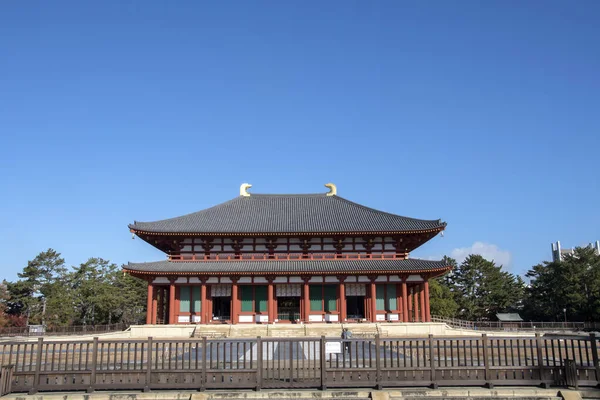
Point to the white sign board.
(333, 347)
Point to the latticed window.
(184, 299)
(330, 296)
(247, 298)
(323, 297)
(392, 299)
(253, 298)
(260, 297)
(380, 297)
(189, 299)
(316, 297)
(197, 302)
(385, 297)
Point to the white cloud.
(486, 250)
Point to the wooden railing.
(522, 325)
(280, 256)
(63, 330)
(200, 364)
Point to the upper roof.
(356, 266)
(288, 213)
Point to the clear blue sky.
(483, 113)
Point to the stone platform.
(359, 330)
(508, 393)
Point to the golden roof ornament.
(332, 189)
(244, 189)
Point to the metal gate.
(291, 363)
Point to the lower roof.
(287, 267)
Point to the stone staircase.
(212, 331)
(248, 331)
(286, 331)
(362, 331)
(287, 394)
(359, 331)
(527, 393)
(318, 330)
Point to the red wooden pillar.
(306, 301)
(422, 302)
(154, 305)
(172, 318)
(416, 303)
(410, 305)
(427, 308)
(160, 308)
(235, 302)
(404, 303)
(203, 305)
(271, 302)
(149, 311)
(343, 311)
(373, 301)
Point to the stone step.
(482, 398)
(211, 331)
(329, 331)
(295, 394)
(241, 331)
(286, 331)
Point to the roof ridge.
(384, 212)
(286, 194)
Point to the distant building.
(558, 253)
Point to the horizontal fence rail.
(516, 326)
(323, 362)
(62, 330)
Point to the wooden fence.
(517, 325)
(63, 330)
(298, 363)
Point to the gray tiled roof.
(288, 266)
(509, 317)
(264, 213)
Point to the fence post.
(259, 363)
(92, 386)
(434, 384)
(204, 363)
(6, 376)
(540, 358)
(148, 364)
(38, 366)
(595, 356)
(323, 365)
(378, 362)
(486, 363)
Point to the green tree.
(29, 294)
(572, 284)
(103, 294)
(131, 307)
(441, 299)
(483, 289)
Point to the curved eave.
(438, 229)
(288, 267)
(433, 272)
